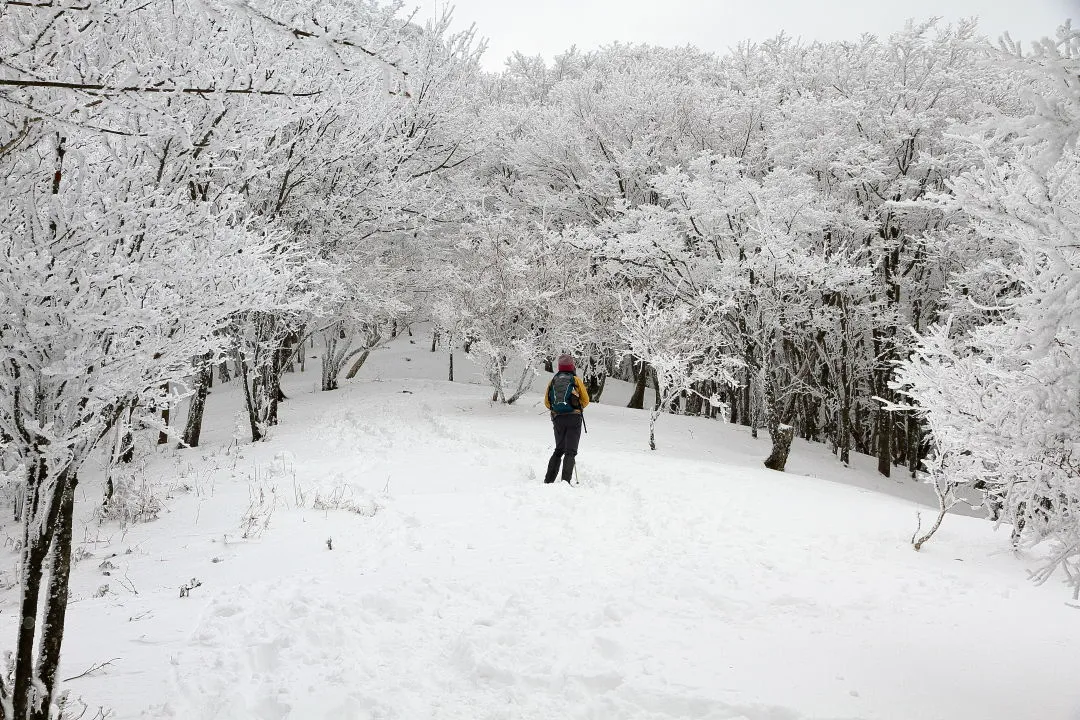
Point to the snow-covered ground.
(403, 560)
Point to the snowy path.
(685, 583)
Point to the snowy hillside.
(403, 560)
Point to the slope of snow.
(403, 560)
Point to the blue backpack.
(561, 393)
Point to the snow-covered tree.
(130, 244)
(668, 336)
(509, 292)
(998, 386)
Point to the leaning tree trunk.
(359, 363)
(944, 491)
(204, 375)
(372, 336)
(339, 350)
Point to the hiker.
(565, 397)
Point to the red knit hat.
(566, 363)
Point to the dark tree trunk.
(127, 446)
(780, 434)
(858, 430)
(694, 403)
(809, 419)
(249, 403)
(745, 414)
(359, 363)
(753, 416)
(637, 398)
(734, 395)
(268, 386)
(283, 360)
(37, 539)
(885, 337)
(914, 444)
(884, 438)
(276, 395)
(843, 434)
(204, 375)
(56, 600)
(223, 370)
(843, 425)
(451, 375)
(781, 447)
(287, 351)
(32, 567)
(594, 385)
(126, 452)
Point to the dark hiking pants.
(567, 436)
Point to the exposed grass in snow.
(391, 554)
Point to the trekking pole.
(583, 425)
(577, 480)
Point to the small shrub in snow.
(186, 588)
(346, 497)
(260, 509)
(133, 500)
(68, 708)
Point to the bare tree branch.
(92, 669)
(95, 87)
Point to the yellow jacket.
(580, 393)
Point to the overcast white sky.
(547, 27)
